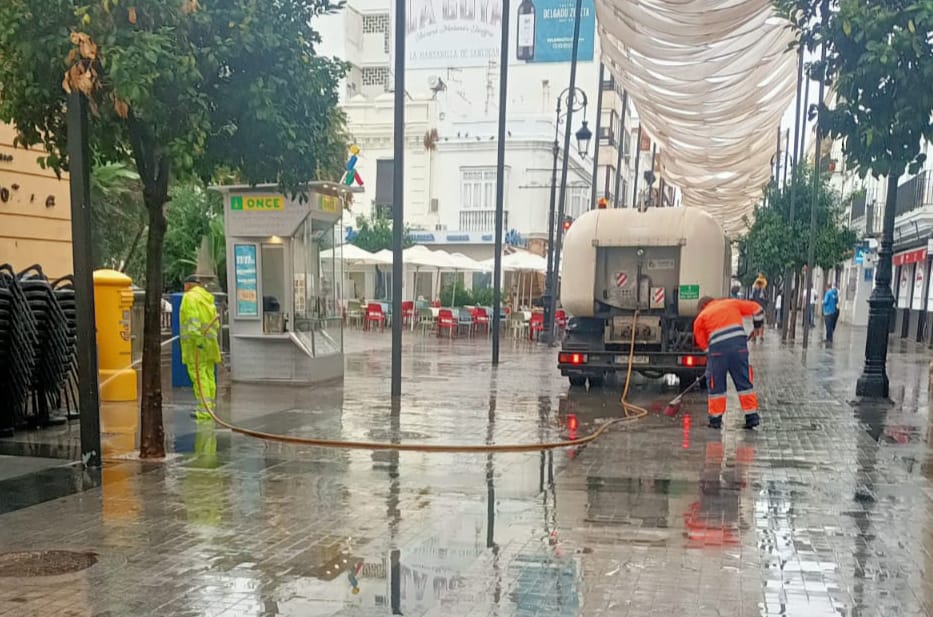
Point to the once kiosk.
(286, 304)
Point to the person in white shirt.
(811, 307)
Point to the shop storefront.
(286, 303)
(911, 289)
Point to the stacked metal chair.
(20, 342)
(65, 293)
(52, 351)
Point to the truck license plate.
(635, 360)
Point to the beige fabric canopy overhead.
(711, 80)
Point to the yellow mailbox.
(113, 304)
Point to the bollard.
(113, 303)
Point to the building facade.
(913, 250)
(451, 115)
(35, 212)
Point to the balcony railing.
(915, 193)
(481, 220)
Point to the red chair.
(535, 325)
(446, 320)
(480, 319)
(375, 315)
(408, 312)
(560, 319)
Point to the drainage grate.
(44, 563)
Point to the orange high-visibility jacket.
(722, 315)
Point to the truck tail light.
(571, 358)
(691, 361)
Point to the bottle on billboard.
(526, 31)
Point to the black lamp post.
(571, 100)
(873, 382)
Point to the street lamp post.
(873, 382)
(568, 101)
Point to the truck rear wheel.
(597, 382)
(578, 382)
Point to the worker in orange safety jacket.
(719, 330)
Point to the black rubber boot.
(752, 420)
(715, 422)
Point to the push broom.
(673, 407)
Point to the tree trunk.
(152, 433)
(795, 302)
(153, 168)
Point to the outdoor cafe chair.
(517, 324)
(536, 325)
(425, 320)
(446, 321)
(374, 314)
(408, 312)
(354, 313)
(480, 319)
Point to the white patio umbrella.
(522, 262)
(353, 255)
(420, 255)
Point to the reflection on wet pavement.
(824, 511)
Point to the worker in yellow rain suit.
(200, 351)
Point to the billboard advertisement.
(544, 31)
(466, 33)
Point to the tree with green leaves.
(193, 213)
(879, 60)
(118, 219)
(183, 89)
(374, 233)
(773, 244)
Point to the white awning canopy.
(711, 81)
(352, 255)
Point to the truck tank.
(658, 264)
(613, 259)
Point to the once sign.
(256, 203)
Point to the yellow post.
(113, 303)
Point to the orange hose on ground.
(632, 413)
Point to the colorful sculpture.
(351, 175)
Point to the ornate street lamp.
(584, 135)
(568, 101)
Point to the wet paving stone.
(826, 510)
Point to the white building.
(451, 115)
(913, 230)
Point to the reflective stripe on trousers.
(730, 357)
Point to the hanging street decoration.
(351, 175)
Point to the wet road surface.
(824, 511)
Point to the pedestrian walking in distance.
(720, 331)
(200, 351)
(830, 311)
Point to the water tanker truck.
(625, 269)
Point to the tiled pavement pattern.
(824, 511)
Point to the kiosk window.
(273, 278)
